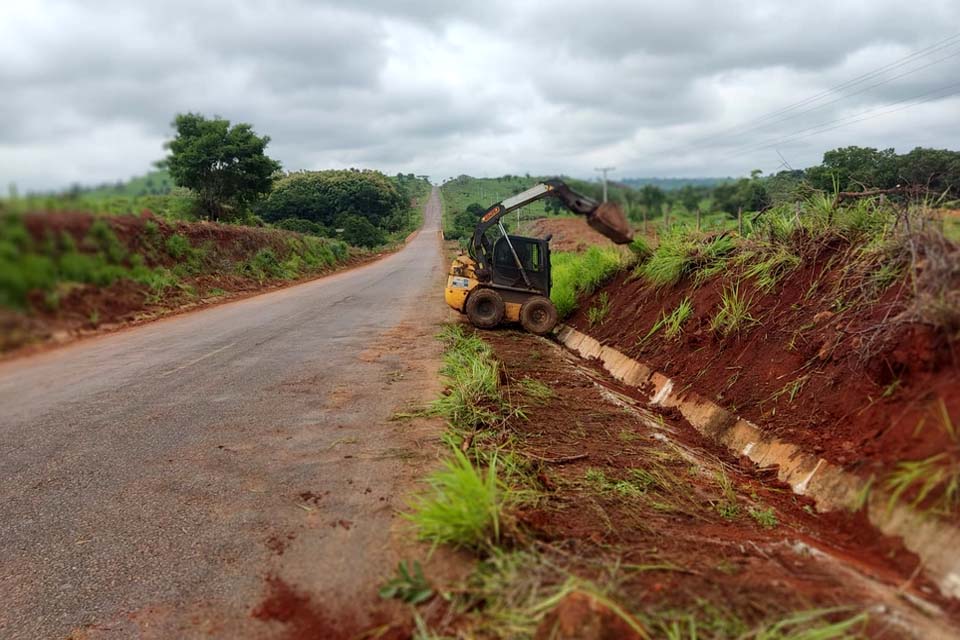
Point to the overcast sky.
(488, 87)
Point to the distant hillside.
(155, 183)
(670, 184)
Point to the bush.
(359, 232)
(306, 227)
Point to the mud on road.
(639, 500)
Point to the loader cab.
(533, 254)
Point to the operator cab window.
(528, 251)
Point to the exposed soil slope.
(569, 234)
(93, 272)
(865, 381)
(685, 530)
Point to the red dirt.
(569, 234)
(868, 391)
(303, 619)
(733, 564)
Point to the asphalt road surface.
(160, 481)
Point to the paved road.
(151, 480)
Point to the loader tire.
(485, 308)
(538, 315)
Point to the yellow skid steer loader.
(507, 277)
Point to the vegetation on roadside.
(52, 267)
(579, 274)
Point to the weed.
(599, 311)
(936, 477)
(536, 389)
(473, 399)
(462, 505)
(734, 312)
(672, 322)
(772, 268)
(680, 254)
(766, 518)
(409, 586)
(727, 506)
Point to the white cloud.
(473, 87)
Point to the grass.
(409, 585)
(100, 258)
(771, 267)
(462, 504)
(535, 389)
(734, 312)
(766, 518)
(579, 274)
(671, 323)
(597, 313)
(933, 483)
(473, 399)
(681, 253)
(711, 622)
(727, 506)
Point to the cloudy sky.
(669, 88)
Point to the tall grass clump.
(734, 311)
(682, 252)
(461, 505)
(472, 376)
(579, 274)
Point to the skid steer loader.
(507, 277)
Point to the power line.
(756, 123)
(848, 120)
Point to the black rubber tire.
(485, 308)
(538, 315)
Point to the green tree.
(226, 165)
(855, 169)
(360, 232)
(324, 196)
(652, 197)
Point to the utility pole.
(604, 171)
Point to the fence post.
(740, 220)
(698, 218)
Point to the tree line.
(227, 167)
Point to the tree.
(360, 232)
(324, 196)
(855, 169)
(652, 197)
(226, 165)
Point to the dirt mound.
(569, 234)
(864, 385)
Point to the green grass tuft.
(734, 312)
(462, 505)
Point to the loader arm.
(607, 218)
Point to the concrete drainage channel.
(933, 540)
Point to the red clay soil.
(300, 618)
(569, 234)
(869, 385)
(678, 548)
(88, 309)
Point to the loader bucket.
(609, 220)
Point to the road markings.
(195, 361)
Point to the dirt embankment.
(864, 384)
(72, 273)
(569, 234)
(686, 531)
